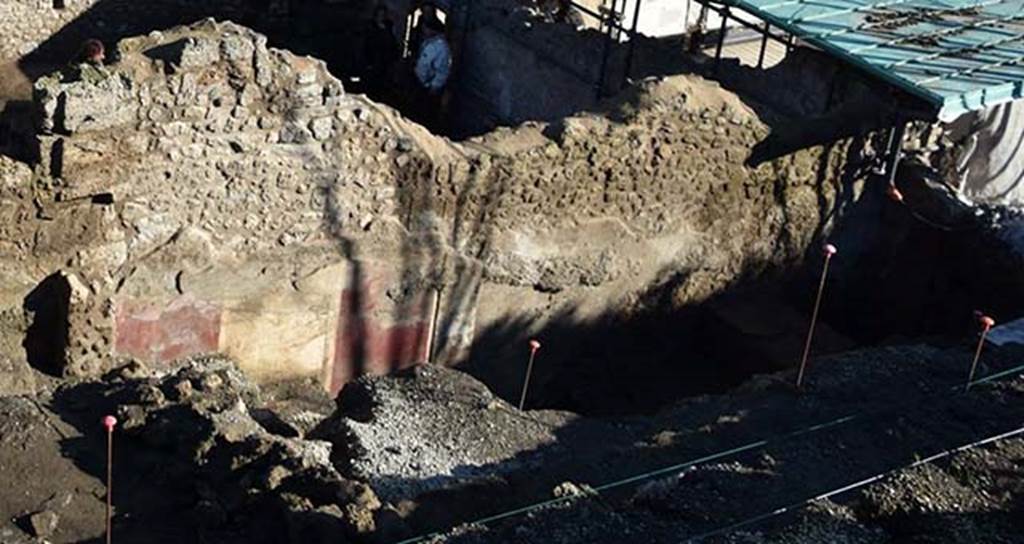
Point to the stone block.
(97, 104)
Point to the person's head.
(433, 27)
(92, 52)
(428, 10)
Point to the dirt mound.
(40, 475)
(430, 427)
(191, 459)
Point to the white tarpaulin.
(991, 163)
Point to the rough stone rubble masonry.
(208, 194)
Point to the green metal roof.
(958, 55)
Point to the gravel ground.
(910, 408)
(432, 427)
(439, 449)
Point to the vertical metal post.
(974, 363)
(764, 45)
(608, 22)
(110, 483)
(435, 310)
(632, 44)
(410, 21)
(830, 250)
(534, 346)
(895, 150)
(721, 35)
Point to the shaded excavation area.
(318, 320)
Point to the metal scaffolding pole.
(724, 13)
(895, 150)
(608, 22)
(632, 44)
(764, 45)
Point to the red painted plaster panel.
(160, 333)
(376, 342)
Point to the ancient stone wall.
(208, 194)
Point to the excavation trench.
(896, 280)
(237, 200)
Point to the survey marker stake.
(894, 194)
(986, 324)
(534, 346)
(109, 422)
(829, 251)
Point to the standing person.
(428, 16)
(380, 52)
(433, 66)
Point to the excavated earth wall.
(208, 194)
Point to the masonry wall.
(208, 194)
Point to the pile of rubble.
(437, 427)
(202, 450)
(203, 453)
(198, 431)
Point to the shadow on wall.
(17, 131)
(430, 281)
(895, 278)
(327, 30)
(514, 68)
(666, 346)
(47, 338)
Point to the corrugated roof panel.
(959, 55)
